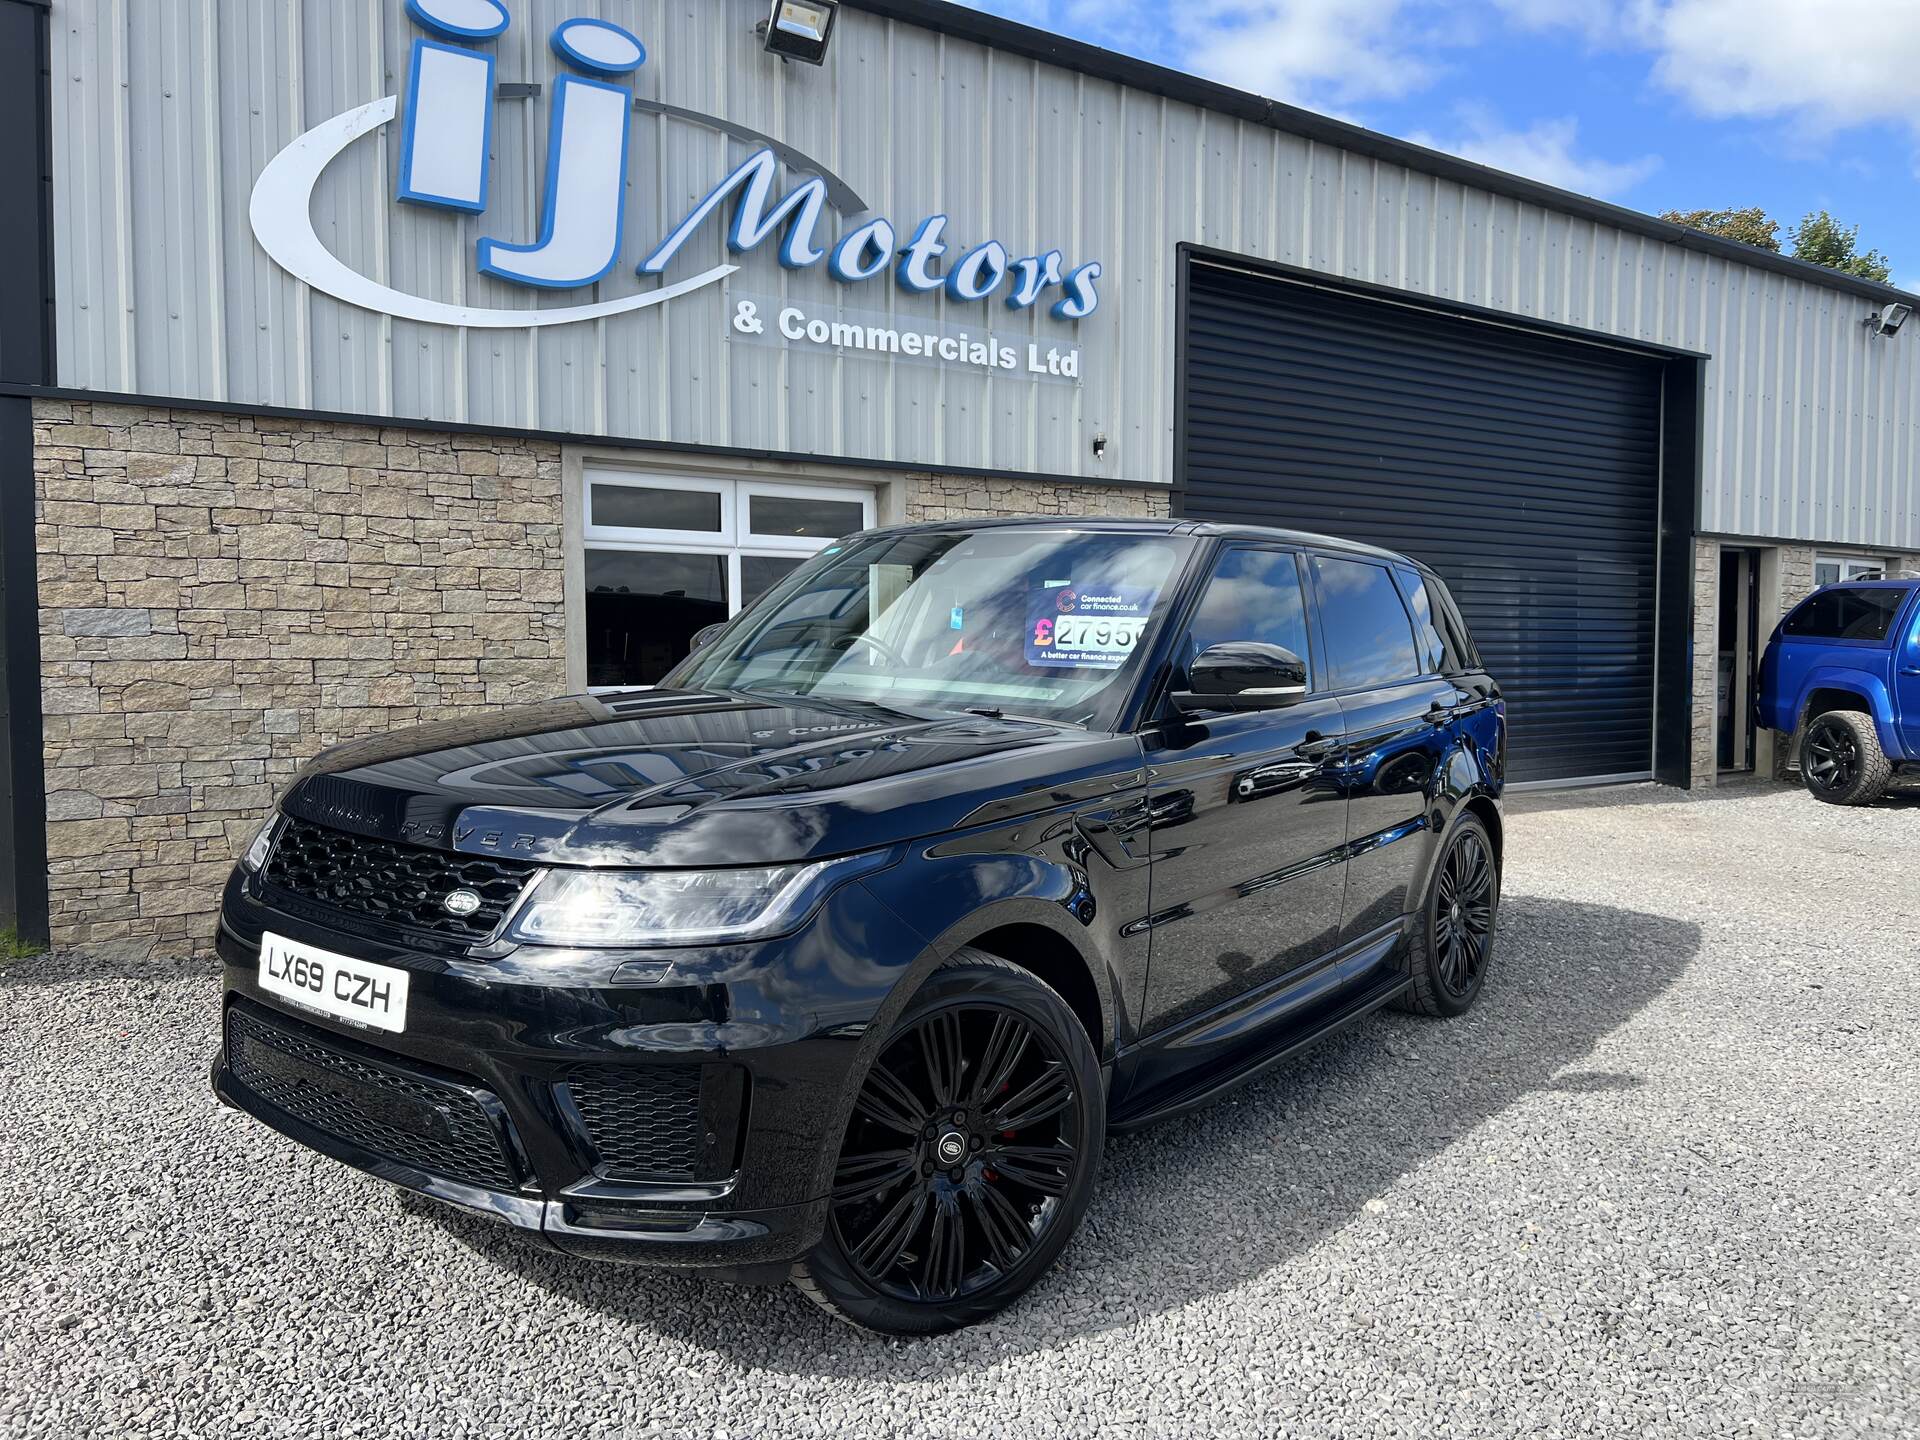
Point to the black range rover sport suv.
(837, 956)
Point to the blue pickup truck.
(1843, 670)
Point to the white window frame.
(629, 537)
(734, 540)
(1851, 567)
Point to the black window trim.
(1379, 562)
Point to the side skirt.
(1205, 1083)
(1215, 1087)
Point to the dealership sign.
(446, 164)
(843, 330)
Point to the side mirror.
(1244, 675)
(705, 637)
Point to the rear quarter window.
(1846, 615)
(1445, 646)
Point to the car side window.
(1253, 595)
(1368, 633)
(1437, 656)
(1846, 615)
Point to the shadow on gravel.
(1905, 795)
(1617, 797)
(1213, 1202)
(1907, 799)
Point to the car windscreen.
(1844, 614)
(1042, 623)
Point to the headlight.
(262, 845)
(610, 909)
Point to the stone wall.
(1706, 661)
(221, 596)
(936, 497)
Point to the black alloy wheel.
(1463, 918)
(1832, 757)
(1452, 942)
(1842, 761)
(969, 1158)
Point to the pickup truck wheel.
(1841, 759)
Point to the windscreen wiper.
(988, 712)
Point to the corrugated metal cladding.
(1526, 470)
(166, 112)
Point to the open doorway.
(1739, 657)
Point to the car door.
(1906, 681)
(1247, 829)
(1399, 716)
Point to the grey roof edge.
(948, 18)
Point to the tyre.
(1455, 927)
(970, 1157)
(1841, 760)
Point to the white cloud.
(1337, 52)
(1832, 64)
(1601, 22)
(1547, 150)
(1321, 53)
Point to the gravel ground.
(1662, 1181)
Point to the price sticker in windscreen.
(1095, 627)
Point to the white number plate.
(336, 985)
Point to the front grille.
(401, 885)
(643, 1121)
(393, 1112)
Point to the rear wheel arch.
(1482, 808)
(1833, 697)
(1476, 803)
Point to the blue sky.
(1793, 105)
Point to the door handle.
(1443, 712)
(1313, 746)
(1911, 670)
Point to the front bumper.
(481, 1103)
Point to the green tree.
(1750, 227)
(1825, 241)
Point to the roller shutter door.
(1524, 468)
